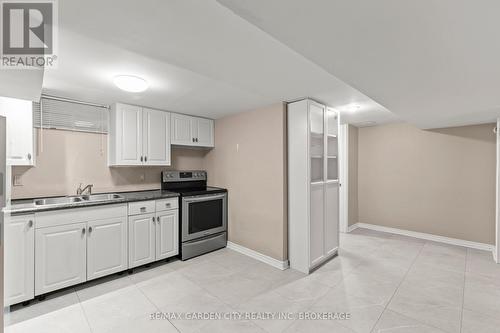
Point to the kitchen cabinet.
(153, 231)
(142, 239)
(79, 244)
(167, 234)
(19, 259)
(20, 131)
(106, 247)
(138, 136)
(192, 131)
(313, 210)
(61, 257)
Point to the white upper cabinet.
(138, 136)
(192, 131)
(204, 132)
(156, 137)
(181, 130)
(20, 133)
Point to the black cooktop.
(190, 191)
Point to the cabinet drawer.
(141, 207)
(166, 204)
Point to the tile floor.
(386, 283)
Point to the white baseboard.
(352, 227)
(421, 235)
(258, 256)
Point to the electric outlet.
(18, 180)
(142, 177)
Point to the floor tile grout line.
(399, 285)
(463, 291)
(83, 310)
(155, 305)
(404, 315)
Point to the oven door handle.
(204, 198)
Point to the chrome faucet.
(81, 191)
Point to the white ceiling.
(21, 83)
(198, 56)
(433, 63)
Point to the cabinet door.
(316, 246)
(19, 259)
(203, 132)
(20, 138)
(129, 131)
(156, 137)
(106, 247)
(332, 124)
(141, 239)
(61, 257)
(181, 130)
(332, 217)
(167, 234)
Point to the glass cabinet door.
(332, 122)
(317, 140)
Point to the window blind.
(66, 115)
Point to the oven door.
(203, 215)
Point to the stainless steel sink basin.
(80, 199)
(57, 201)
(102, 197)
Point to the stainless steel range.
(203, 212)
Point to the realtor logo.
(28, 33)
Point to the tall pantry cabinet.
(313, 184)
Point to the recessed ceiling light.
(130, 83)
(351, 107)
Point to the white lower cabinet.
(51, 250)
(141, 239)
(19, 259)
(155, 235)
(167, 234)
(61, 257)
(106, 247)
(317, 225)
(332, 217)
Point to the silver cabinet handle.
(193, 140)
(153, 219)
(90, 230)
(83, 231)
(142, 159)
(168, 204)
(145, 158)
(30, 223)
(143, 209)
(29, 157)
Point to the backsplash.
(66, 158)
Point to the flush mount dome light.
(130, 83)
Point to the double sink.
(77, 199)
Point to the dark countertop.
(27, 206)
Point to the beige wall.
(440, 182)
(250, 160)
(352, 192)
(67, 158)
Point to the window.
(55, 114)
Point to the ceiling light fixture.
(351, 107)
(130, 83)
